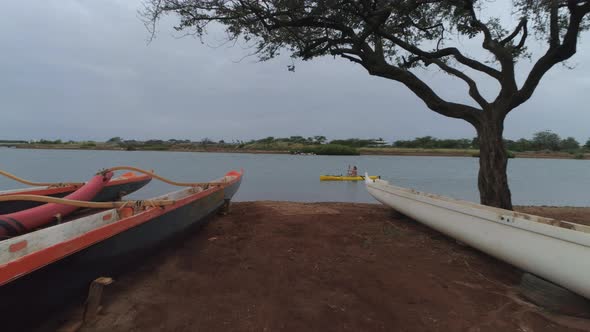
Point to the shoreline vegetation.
(544, 144)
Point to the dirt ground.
(280, 266)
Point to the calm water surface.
(296, 178)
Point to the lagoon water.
(296, 178)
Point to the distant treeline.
(429, 142)
(12, 142)
(546, 140)
(319, 140)
(541, 141)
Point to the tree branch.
(553, 55)
(488, 40)
(523, 37)
(553, 25)
(502, 54)
(349, 57)
(521, 26)
(473, 90)
(450, 51)
(422, 90)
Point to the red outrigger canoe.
(48, 269)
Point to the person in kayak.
(354, 171)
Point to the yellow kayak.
(346, 178)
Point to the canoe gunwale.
(528, 222)
(20, 190)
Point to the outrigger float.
(552, 249)
(45, 268)
(24, 221)
(115, 189)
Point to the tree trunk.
(493, 161)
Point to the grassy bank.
(285, 148)
(418, 152)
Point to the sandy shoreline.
(287, 266)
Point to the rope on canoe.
(118, 168)
(85, 204)
(40, 184)
(163, 179)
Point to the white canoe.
(558, 251)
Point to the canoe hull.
(26, 300)
(554, 250)
(346, 178)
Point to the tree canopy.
(546, 140)
(569, 143)
(390, 38)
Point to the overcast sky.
(84, 70)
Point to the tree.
(546, 140)
(355, 142)
(475, 143)
(115, 140)
(393, 39)
(267, 140)
(207, 141)
(569, 143)
(587, 145)
(319, 139)
(297, 139)
(429, 142)
(522, 144)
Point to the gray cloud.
(83, 70)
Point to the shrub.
(331, 150)
(156, 147)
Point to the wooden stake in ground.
(91, 306)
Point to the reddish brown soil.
(278, 266)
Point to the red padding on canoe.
(23, 221)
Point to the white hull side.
(554, 250)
